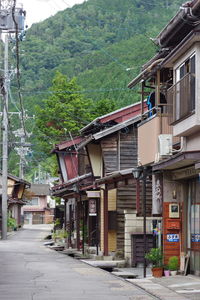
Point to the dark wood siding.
(109, 148)
(128, 148)
(126, 199)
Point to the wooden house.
(111, 144)
(75, 179)
(16, 189)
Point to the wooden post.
(83, 231)
(78, 224)
(144, 218)
(70, 226)
(105, 208)
(65, 215)
(97, 227)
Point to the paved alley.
(29, 271)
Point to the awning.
(177, 161)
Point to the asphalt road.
(30, 271)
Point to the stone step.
(124, 274)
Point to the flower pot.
(157, 272)
(173, 273)
(167, 273)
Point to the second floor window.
(184, 89)
(33, 202)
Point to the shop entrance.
(193, 239)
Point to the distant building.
(38, 209)
(15, 192)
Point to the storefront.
(181, 210)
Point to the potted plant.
(166, 271)
(173, 265)
(155, 257)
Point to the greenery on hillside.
(103, 43)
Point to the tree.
(63, 113)
(104, 106)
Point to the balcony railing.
(181, 98)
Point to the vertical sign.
(157, 188)
(92, 207)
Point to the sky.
(39, 10)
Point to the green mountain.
(101, 42)
(97, 42)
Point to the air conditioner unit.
(165, 144)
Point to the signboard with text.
(173, 237)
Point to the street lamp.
(137, 172)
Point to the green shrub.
(155, 257)
(11, 223)
(173, 263)
(60, 234)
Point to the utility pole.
(8, 25)
(5, 143)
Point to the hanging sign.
(92, 207)
(173, 237)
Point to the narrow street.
(29, 271)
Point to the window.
(33, 202)
(184, 89)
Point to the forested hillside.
(97, 42)
(103, 43)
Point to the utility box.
(12, 23)
(165, 144)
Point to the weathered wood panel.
(137, 246)
(128, 148)
(109, 148)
